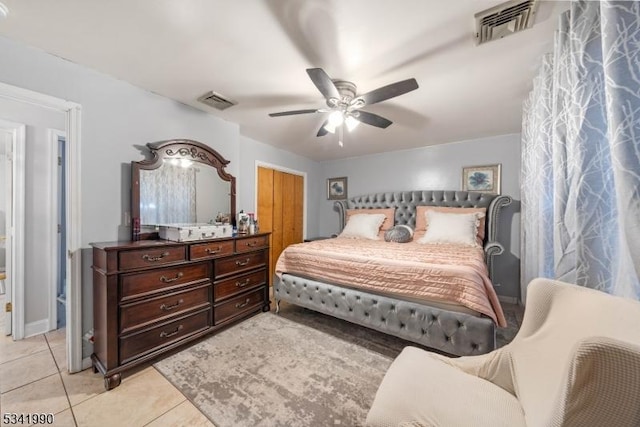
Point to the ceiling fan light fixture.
(336, 118)
(351, 123)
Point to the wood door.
(280, 209)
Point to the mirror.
(184, 182)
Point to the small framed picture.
(484, 179)
(337, 188)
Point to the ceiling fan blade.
(291, 113)
(323, 82)
(390, 91)
(323, 131)
(372, 119)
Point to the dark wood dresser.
(151, 296)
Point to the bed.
(404, 294)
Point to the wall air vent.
(217, 101)
(505, 19)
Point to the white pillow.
(363, 226)
(451, 228)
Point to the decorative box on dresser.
(151, 296)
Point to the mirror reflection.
(181, 191)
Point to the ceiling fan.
(345, 106)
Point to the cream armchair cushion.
(574, 362)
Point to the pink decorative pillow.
(422, 225)
(389, 219)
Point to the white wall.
(438, 168)
(39, 155)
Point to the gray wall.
(438, 168)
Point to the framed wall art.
(485, 179)
(337, 188)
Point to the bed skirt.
(447, 331)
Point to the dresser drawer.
(151, 257)
(239, 305)
(136, 285)
(136, 345)
(234, 285)
(248, 244)
(210, 250)
(239, 263)
(139, 314)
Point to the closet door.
(280, 209)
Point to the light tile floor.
(34, 379)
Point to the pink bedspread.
(437, 272)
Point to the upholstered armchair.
(574, 362)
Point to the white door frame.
(15, 233)
(73, 113)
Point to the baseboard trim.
(86, 363)
(36, 328)
(508, 300)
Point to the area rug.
(271, 371)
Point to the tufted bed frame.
(447, 331)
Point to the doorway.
(59, 221)
(72, 118)
(280, 208)
(12, 199)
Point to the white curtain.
(167, 195)
(581, 153)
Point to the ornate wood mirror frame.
(176, 149)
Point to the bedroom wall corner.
(438, 167)
(253, 152)
(118, 118)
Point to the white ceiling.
(256, 53)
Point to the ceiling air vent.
(217, 101)
(504, 19)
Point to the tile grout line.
(64, 387)
(26, 355)
(168, 410)
(29, 383)
(186, 398)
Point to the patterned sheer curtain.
(581, 153)
(167, 195)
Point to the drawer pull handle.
(243, 284)
(243, 263)
(165, 279)
(166, 307)
(243, 304)
(164, 334)
(152, 258)
(252, 244)
(213, 251)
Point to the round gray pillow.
(399, 234)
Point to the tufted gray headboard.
(405, 203)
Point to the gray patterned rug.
(272, 371)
